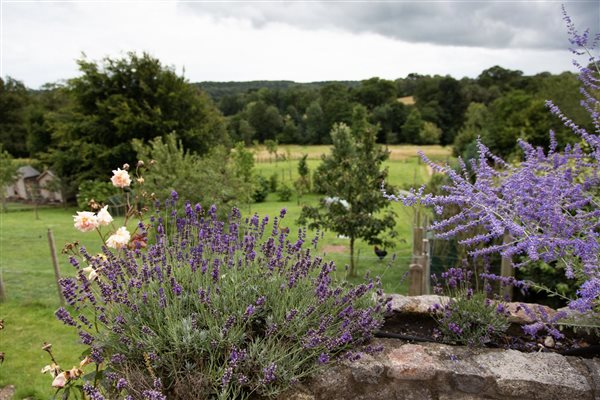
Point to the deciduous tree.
(351, 177)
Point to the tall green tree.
(302, 184)
(336, 103)
(351, 177)
(476, 125)
(8, 173)
(118, 100)
(375, 92)
(14, 102)
(412, 126)
(265, 120)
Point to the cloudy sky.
(302, 41)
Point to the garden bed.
(411, 320)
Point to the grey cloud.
(490, 24)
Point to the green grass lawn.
(31, 291)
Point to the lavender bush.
(468, 317)
(212, 309)
(549, 203)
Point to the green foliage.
(475, 126)
(14, 102)
(351, 177)
(284, 193)
(316, 126)
(467, 316)
(8, 168)
(430, 133)
(500, 78)
(102, 192)
(375, 92)
(390, 117)
(411, 130)
(48, 105)
(262, 188)
(120, 99)
(242, 317)
(470, 319)
(8, 172)
(274, 182)
(265, 120)
(243, 160)
(302, 184)
(216, 178)
(271, 146)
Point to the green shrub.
(284, 193)
(101, 192)
(468, 316)
(274, 182)
(261, 190)
(214, 310)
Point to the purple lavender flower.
(86, 338)
(533, 329)
(323, 358)
(121, 384)
(92, 392)
(249, 311)
(153, 395)
(455, 328)
(269, 373)
(227, 376)
(118, 358)
(64, 316)
(260, 301)
(96, 355)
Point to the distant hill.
(217, 90)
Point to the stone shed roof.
(28, 171)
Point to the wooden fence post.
(426, 265)
(55, 265)
(416, 280)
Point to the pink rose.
(60, 381)
(104, 217)
(119, 239)
(85, 221)
(120, 178)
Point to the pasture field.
(31, 292)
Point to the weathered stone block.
(593, 366)
(366, 370)
(415, 304)
(547, 376)
(412, 362)
(412, 394)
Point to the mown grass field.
(31, 291)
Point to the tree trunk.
(351, 271)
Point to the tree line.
(84, 127)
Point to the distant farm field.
(28, 276)
(314, 152)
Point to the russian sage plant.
(214, 310)
(549, 203)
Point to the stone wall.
(433, 371)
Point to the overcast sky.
(302, 41)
